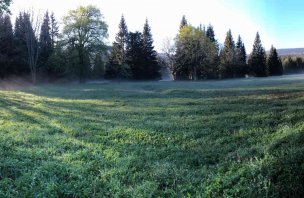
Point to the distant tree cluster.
(293, 64)
(35, 48)
(27, 45)
(133, 55)
(196, 55)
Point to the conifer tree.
(274, 63)
(228, 63)
(152, 70)
(257, 59)
(7, 45)
(210, 33)
(240, 57)
(118, 67)
(54, 30)
(45, 41)
(184, 22)
(122, 38)
(135, 56)
(20, 66)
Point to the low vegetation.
(238, 138)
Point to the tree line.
(197, 55)
(34, 47)
(293, 64)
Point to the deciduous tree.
(85, 31)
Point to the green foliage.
(122, 39)
(257, 59)
(85, 31)
(135, 55)
(45, 42)
(274, 63)
(7, 46)
(195, 56)
(20, 66)
(152, 68)
(117, 67)
(228, 67)
(293, 64)
(235, 138)
(210, 33)
(241, 57)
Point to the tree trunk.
(81, 66)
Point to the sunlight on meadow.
(174, 139)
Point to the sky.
(279, 22)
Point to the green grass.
(234, 138)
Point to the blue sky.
(283, 20)
(280, 22)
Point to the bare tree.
(32, 28)
(169, 51)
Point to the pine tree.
(241, 57)
(210, 33)
(7, 45)
(228, 63)
(184, 22)
(257, 59)
(152, 70)
(274, 63)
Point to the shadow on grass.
(163, 140)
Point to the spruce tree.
(152, 70)
(118, 67)
(228, 63)
(54, 30)
(274, 63)
(45, 42)
(20, 66)
(210, 33)
(257, 59)
(241, 57)
(135, 55)
(6, 45)
(122, 38)
(183, 23)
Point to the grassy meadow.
(232, 138)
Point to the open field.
(230, 138)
